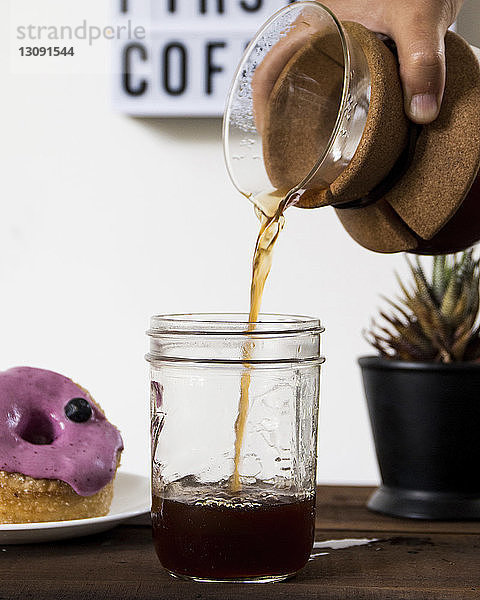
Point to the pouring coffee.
(316, 113)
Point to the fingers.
(421, 52)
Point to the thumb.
(422, 68)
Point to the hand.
(418, 28)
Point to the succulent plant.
(435, 316)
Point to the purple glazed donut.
(51, 429)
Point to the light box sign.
(182, 54)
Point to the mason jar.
(233, 503)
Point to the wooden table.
(411, 560)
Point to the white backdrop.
(107, 220)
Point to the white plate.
(131, 498)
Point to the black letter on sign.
(251, 6)
(211, 66)
(181, 51)
(220, 6)
(127, 70)
(172, 6)
(124, 6)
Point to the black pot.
(426, 425)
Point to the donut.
(58, 453)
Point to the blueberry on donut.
(58, 452)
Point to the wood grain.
(412, 560)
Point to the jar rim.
(232, 324)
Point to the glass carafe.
(329, 101)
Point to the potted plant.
(423, 393)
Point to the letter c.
(142, 84)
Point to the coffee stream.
(270, 208)
(204, 532)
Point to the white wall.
(107, 220)
(468, 22)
